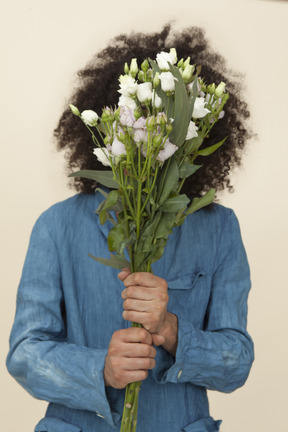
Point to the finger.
(144, 279)
(124, 273)
(158, 339)
(133, 334)
(138, 292)
(138, 305)
(139, 363)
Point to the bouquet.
(150, 143)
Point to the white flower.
(220, 89)
(168, 150)
(167, 81)
(188, 72)
(199, 109)
(144, 92)
(127, 101)
(126, 116)
(102, 155)
(89, 117)
(128, 86)
(118, 148)
(191, 132)
(140, 130)
(163, 58)
(156, 100)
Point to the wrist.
(170, 332)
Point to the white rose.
(167, 81)
(199, 110)
(118, 148)
(128, 86)
(102, 155)
(144, 92)
(191, 132)
(168, 150)
(163, 59)
(127, 101)
(89, 117)
(126, 116)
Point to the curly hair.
(98, 84)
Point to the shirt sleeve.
(40, 358)
(219, 356)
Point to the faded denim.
(68, 307)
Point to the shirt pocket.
(205, 424)
(189, 296)
(53, 424)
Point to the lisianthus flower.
(102, 155)
(127, 101)
(118, 148)
(89, 117)
(167, 81)
(191, 133)
(144, 92)
(163, 59)
(140, 130)
(126, 116)
(199, 110)
(128, 86)
(168, 150)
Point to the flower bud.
(187, 73)
(156, 80)
(89, 117)
(141, 76)
(126, 68)
(180, 63)
(134, 67)
(145, 65)
(173, 53)
(74, 110)
(211, 88)
(150, 123)
(186, 62)
(220, 89)
(161, 119)
(169, 128)
(157, 140)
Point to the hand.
(130, 356)
(145, 302)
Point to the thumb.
(157, 339)
(124, 273)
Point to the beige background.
(43, 43)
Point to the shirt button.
(179, 373)
(99, 415)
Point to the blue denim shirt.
(68, 307)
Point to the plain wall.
(43, 44)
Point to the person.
(72, 344)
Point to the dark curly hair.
(98, 84)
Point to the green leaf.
(209, 150)
(187, 169)
(147, 237)
(168, 179)
(181, 118)
(106, 178)
(165, 226)
(111, 199)
(116, 261)
(116, 237)
(203, 201)
(174, 204)
(160, 247)
(194, 143)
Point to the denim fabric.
(68, 307)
